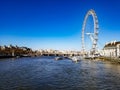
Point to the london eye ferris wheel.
(92, 35)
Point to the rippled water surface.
(44, 73)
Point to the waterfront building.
(112, 49)
(2, 47)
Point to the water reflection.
(43, 73)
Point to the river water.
(45, 73)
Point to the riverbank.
(4, 57)
(111, 59)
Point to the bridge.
(50, 52)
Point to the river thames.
(45, 73)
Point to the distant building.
(2, 48)
(112, 49)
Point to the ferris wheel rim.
(96, 27)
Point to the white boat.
(76, 58)
(58, 58)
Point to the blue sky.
(55, 24)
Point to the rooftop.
(112, 43)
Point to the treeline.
(15, 51)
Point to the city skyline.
(55, 24)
